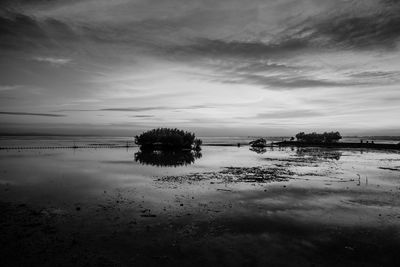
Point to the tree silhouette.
(314, 137)
(167, 138)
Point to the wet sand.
(232, 207)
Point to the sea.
(221, 203)
(64, 141)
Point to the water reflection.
(161, 158)
(318, 153)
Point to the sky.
(218, 68)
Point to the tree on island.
(331, 137)
(167, 138)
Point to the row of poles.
(65, 147)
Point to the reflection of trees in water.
(318, 153)
(167, 158)
(258, 150)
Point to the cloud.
(173, 58)
(287, 114)
(9, 87)
(52, 60)
(291, 114)
(31, 114)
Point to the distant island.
(326, 139)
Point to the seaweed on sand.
(235, 175)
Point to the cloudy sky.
(227, 67)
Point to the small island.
(166, 147)
(331, 139)
(326, 139)
(168, 139)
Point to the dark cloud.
(138, 109)
(155, 108)
(255, 67)
(362, 31)
(73, 110)
(18, 5)
(142, 116)
(376, 74)
(31, 114)
(242, 49)
(283, 81)
(350, 27)
(390, 2)
(345, 29)
(176, 36)
(130, 109)
(22, 32)
(19, 31)
(277, 78)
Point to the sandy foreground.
(290, 208)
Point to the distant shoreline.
(339, 145)
(276, 144)
(365, 137)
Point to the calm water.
(350, 183)
(82, 207)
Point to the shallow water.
(105, 190)
(324, 181)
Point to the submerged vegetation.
(167, 139)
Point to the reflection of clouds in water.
(167, 158)
(313, 153)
